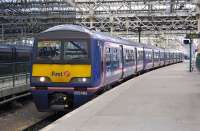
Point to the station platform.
(166, 99)
(13, 87)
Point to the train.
(71, 64)
(14, 59)
(14, 71)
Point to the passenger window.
(140, 55)
(115, 58)
(130, 57)
(22, 55)
(147, 55)
(133, 55)
(108, 56)
(5, 55)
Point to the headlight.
(41, 79)
(81, 80)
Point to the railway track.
(44, 122)
(19, 114)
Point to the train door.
(159, 60)
(113, 62)
(101, 46)
(153, 58)
(144, 58)
(164, 59)
(136, 59)
(108, 65)
(122, 60)
(139, 59)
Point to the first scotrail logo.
(60, 74)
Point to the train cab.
(62, 66)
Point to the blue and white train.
(70, 64)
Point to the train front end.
(62, 71)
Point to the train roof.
(90, 33)
(77, 31)
(148, 46)
(68, 27)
